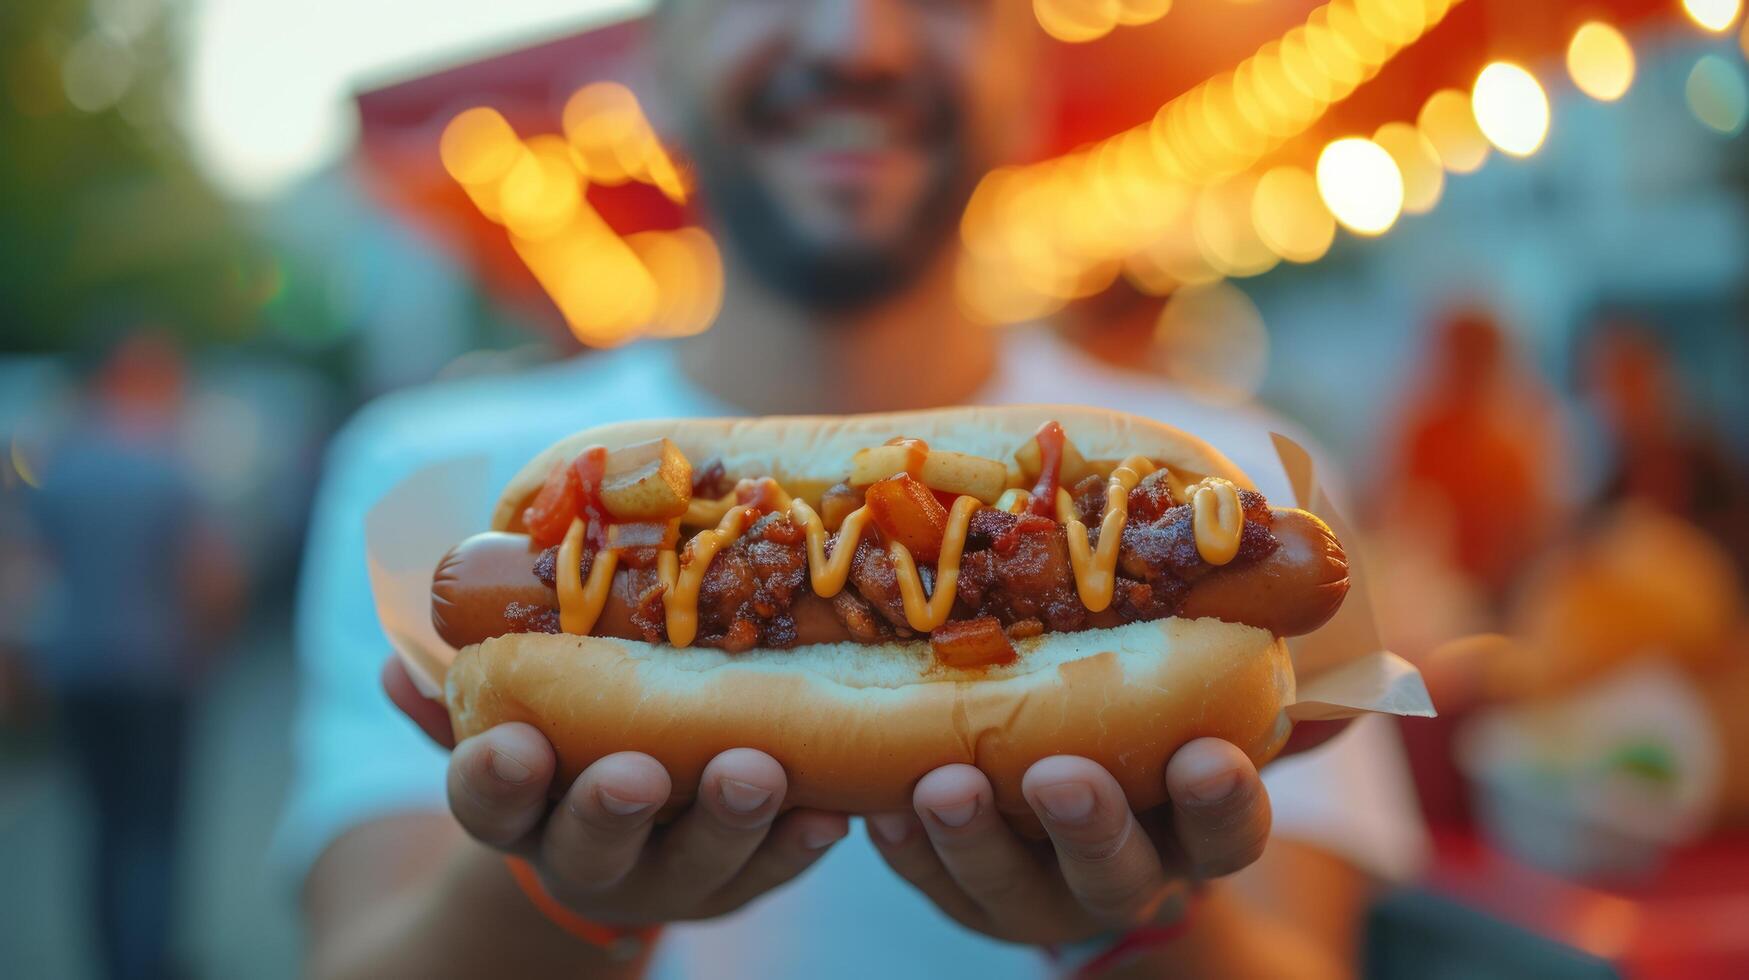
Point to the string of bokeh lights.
(609, 287)
(1203, 192)
(1178, 200)
(1200, 193)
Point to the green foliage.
(104, 221)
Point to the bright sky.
(269, 81)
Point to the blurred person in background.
(836, 142)
(145, 584)
(1659, 452)
(1477, 454)
(1466, 500)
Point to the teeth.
(847, 132)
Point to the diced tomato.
(590, 466)
(549, 516)
(966, 643)
(571, 490)
(906, 511)
(945, 498)
(1050, 452)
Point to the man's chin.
(836, 280)
(823, 260)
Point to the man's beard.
(825, 279)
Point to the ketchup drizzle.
(1050, 456)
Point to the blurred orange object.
(1727, 695)
(1644, 584)
(1477, 453)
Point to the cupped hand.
(1102, 868)
(598, 849)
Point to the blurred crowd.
(1556, 508)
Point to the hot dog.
(487, 586)
(881, 595)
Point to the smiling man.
(835, 142)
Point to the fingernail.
(1215, 788)
(742, 797)
(891, 827)
(1067, 802)
(620, 806)
(956, 814)
(819, 838)
(508, 769)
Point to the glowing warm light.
(688, 272)
(1349, 31)
(1511, 108)
(666, 177)
(609, 289)
(1600, 61)
(606, 127)
(1303, 71)
(1225, 233)
(1080, 21)
(1393, 22)
(1289, 216)
(1361, 185)
(1132, 13)
(1156, 199)
(1714, 15)
(573, 267)
(1077, 21)
(1418, 161)
(1449, 124)
(1168, 262)
(987, 295)
(541, 193)
(1718, 95)
(478, 146)
(1339, 62)
(1211, 337)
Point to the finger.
(430, 715)
(989, 863)
(1109, 864)
(498, 783)
(902, 843)
(595, 836)
(739, 795)
(797, 840)
(1221, 811)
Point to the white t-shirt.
(359, 759)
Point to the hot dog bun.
(855, 725)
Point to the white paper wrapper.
(1342, 670)
(405, 535)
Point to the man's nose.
(859, 37)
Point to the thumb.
(431, 716)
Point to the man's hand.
(1103, 867)
(598, 850)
